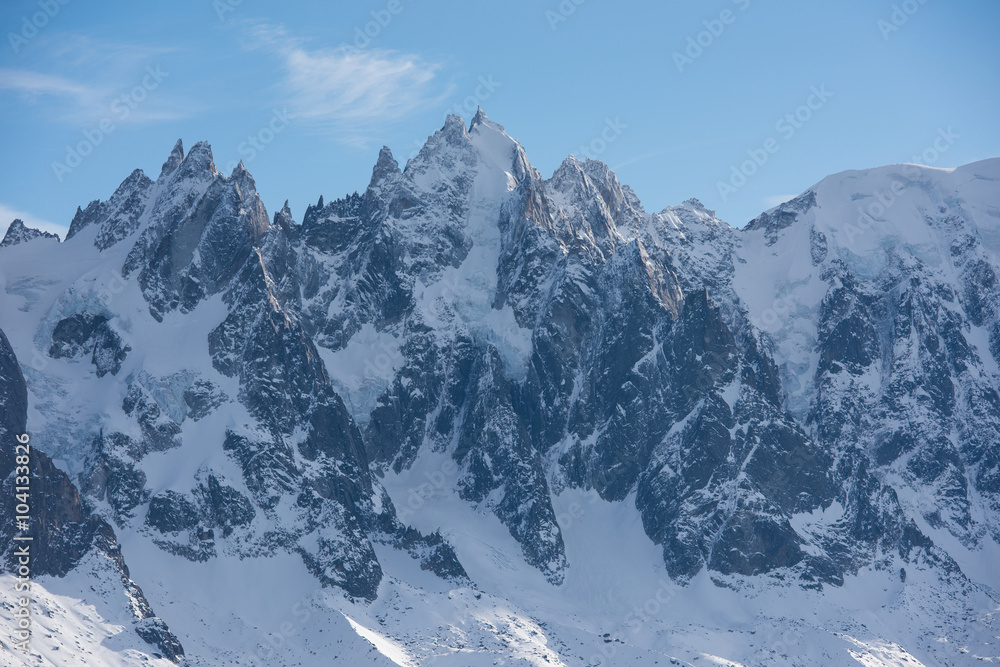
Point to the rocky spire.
(283, 218)
(482, 119)
(385, 166)
(176, 157)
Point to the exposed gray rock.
(18, 232)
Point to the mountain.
(18, 232)
(477, 416)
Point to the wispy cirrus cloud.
(32, 85)
(352, 93)
(79, 80)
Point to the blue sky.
(673, 96)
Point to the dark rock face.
(154, 631)
(111, 474)
(171, 512)
(643, 378)
(109, 352)
(269, 471)
(62, 527)
(211, 506)
(784, 216)
(89, 334)
(74, 336)
(906, 328)
(224, 506)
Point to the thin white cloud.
(351, 91)
(777, 200)
(34, 84)
(356, 86)
(9, 215)
(81, 82)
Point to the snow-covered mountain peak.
(568, 174)
(452, 153)
(582, 180)
(864, 210)
(592, 206)
(385, 167)
(243, 179)
(198, 160)
(482, 119)
(695, 206)
(18, 232)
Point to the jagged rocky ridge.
(543, 334)
(18, 232)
